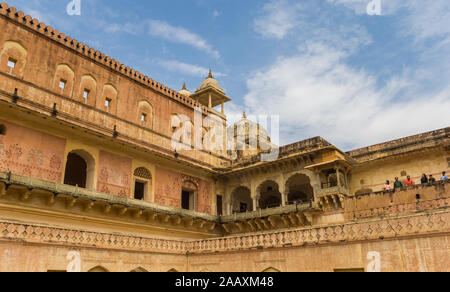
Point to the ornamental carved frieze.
(415, 225)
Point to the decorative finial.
(244, 115)
(184, 86)
(210, 74)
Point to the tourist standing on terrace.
(431, 180)
(397, 184)
(444, 177)
(424, 179)
(409, 181)
(387, 186)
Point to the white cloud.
(216, 14)
(277, 18)
(181, 35)
(185, 68)
(130, 28)
(316, 93)
(360, 6)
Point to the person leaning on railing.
(398, 184)
(387, 186)
(444, 177)
(424, 179)
(409, 181)
(431, 180)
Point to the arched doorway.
(139, 270)
(299, 189)
(271, 270)
(172, 271)
(269, 195)
(80, 169)
(241, 200)
(98, 269)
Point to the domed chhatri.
(210, 81)
(184, 91)
(210, 94)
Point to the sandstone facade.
(90, 180)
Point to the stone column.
(283, 196)
(338, 178)
(255, 204)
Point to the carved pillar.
(283, 196)
(338, 177)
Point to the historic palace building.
(90, 179)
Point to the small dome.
(210, 82)
(184, 91)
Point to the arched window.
(299, 189)
(142, 183)
(241, 200)
(80, 169)
(2, 130)
(269, 195)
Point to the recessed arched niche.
(64, 80)
(13, 58)
(87, 92)
(145, 114)
(108, 102)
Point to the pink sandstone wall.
(169, 185)
(44, 63)
(114, 174)
(31, 153)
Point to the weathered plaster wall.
(425, 254)
(114, 174)
(169, 185)
(373, 175)
(405, 255)
(31, 153)
(32, 258)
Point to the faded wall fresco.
(31, 153)
(114, 176)
(168, 187)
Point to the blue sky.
(325, 66)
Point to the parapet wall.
(94, 55)
(391, 203)
(404, 145)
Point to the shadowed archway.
(269, 195)
(80, 169)
(299, 189)
(241, 200)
